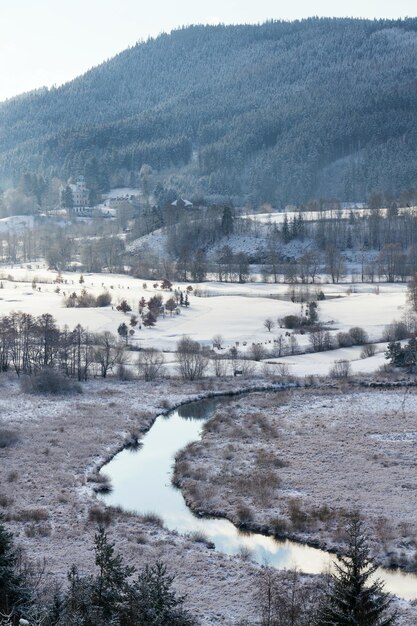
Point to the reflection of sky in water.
(142, 483)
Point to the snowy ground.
(46, 478)
(46, 491)
(16, 224)
(236, 312)
(317, 454)
(310, 216)
(320, 363)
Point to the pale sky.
(47, 42)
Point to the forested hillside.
(281, 112)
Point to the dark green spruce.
(355, 597)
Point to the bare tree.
(107, 352)
(257, 352)
(340, 369)
(412, 292)
(150, 364)
(217, 341)
(192, 362)
(269, 324)
(284, 599)
(321, 340)
(220, 366)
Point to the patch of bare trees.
(29, 344)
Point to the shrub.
(359, 335)
(340, 369)
(299, 518)
(150, 364)
(199, 537)
(86, 300)
(344, 340)
(103, 488)
(103, 299)
(153, 519)
(368, 351)
(192, 361)
(396, 331)
(291, 321)
(32, 515)
(83, 301)
(37, 530)
(279, 526)
(124, 373)
(49, 380)
(5, 501)
(257, 352)
(321, 340)
(100, 516)
(244, 514)
(8, 438)
(124, 307)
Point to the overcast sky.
(46, 42)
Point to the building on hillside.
(80, 193)
(78, 204)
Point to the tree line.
(117, 594)
(213, 107)
(29, 344)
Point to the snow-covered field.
(236, 312)
(16, 224)
(311, 216)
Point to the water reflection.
(142, 484)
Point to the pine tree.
(67, 198)
(149, 319)
(153, 601)
(123, 331)
(13, 593)
(285, 233)
(395, 354)
(110, 585)
(352, 599)
(227, 224)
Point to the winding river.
(141, 483)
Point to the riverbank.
(316, 455)
(48, 475)
(47, 480)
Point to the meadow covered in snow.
(235, 311)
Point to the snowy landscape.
(208, 323)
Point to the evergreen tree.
(123, 331)
(110, 584)
(227, 221)
(67, 198)
(410, 354)
(149, 319)
(13, 592)
(353, 600)
(152, 600)
(285, 233)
